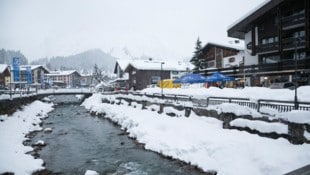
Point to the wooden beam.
(253, 41)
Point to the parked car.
(284, 85)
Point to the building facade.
(148, 72)
(220, 55)
(65, 79)
(4, 76)
(29, 75)
(277, 39)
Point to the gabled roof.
(59, 73)
(156, 65)
(243, 25)
(33, 67)
(222, 45)
(122, 64)
(3, 67)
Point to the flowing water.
(80, 142)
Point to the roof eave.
(239, 29)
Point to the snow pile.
(12, 133)
(261, 126)
(307, 135)
(235, 109)
(40, 143)
(253, 93)
(201, 141)
(91, 172)
(296, 116)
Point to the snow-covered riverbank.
(13, 130)
(202, 141)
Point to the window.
(211, 64)
(231, 60)
(271, 59)
(299, 55)
(270, 40)
(174, 72)
(155, 79)
(264, 41)
(299, 34)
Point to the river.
(80, 142)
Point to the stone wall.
(295, 131)
(8, 106)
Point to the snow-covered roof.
(248, 13)
(122, 63)
(57, 73)
(234, 45)
(3, 67)
(244, 24)
(33, 67)
(157, 65)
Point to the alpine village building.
(276, 36)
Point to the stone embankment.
(295, 131)
(9, 106)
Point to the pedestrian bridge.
(10, 101)
(7, 94)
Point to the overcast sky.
(164, 29)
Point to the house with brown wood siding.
(143, 72)
(213, 54)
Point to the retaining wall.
(295, 132)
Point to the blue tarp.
(191, 78)
(217, 76)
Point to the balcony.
(284, 65)
(268, 47)
(293, 21)
(290, 43)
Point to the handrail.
(280, 105)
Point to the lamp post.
(161, 75)
(9, 68)
(295, 57)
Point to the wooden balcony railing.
(267, 47)
(238, 71)
(293, 42)
(293, 20)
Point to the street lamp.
(295, 57)
(161, 74)
(9, 68)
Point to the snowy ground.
(202, 141)
(253, 93)
(12, 134)
(197, 140)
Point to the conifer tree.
(196, 59)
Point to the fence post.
(229, 100)
(188, 111)
(207, 101)
(296, 133)
(258, 105)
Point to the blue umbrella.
(217, 76)
(191, 78)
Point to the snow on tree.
(197, 59)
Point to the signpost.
(16, 71)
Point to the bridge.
(12, 100)
(7, 94)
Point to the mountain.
(84, 61)
(6, 57)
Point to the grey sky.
(158, 28)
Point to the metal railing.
(279, 105)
